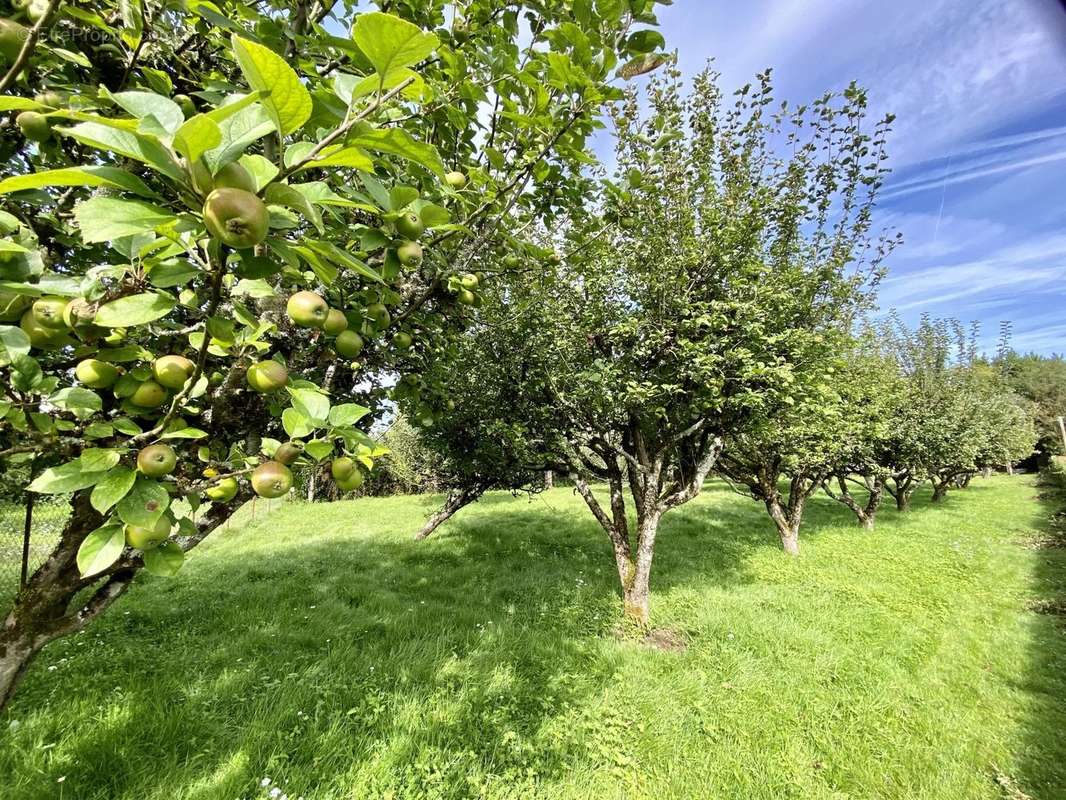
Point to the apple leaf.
(149, 104)
(104, 219)
(100, 549)
(391, 43)
(109, 177)
(295, 423)
(144, 504)
(346, 414)
(196, 136)
(397, 142)
(139, 147)
(65, 478)
(319, 448)
(112, 488)
(164, 560)
(136, 309)
(289, 102)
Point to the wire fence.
(21, 555)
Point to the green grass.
(320, 647)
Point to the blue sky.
(978, 150)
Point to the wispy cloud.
(1032, 266)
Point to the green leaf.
(311, 404)
(391, 43)
(295, 423)
(645, 41)
(139, 147)
(115, 485)
(65, 478)
(289, 102)
(433, 215)
(83, 403)
(104, 219)
(13, 342)
(10, 103)
(344, 259)
(196, 136)
(319, 449)
(109, 177)
(149, 104)
(184, 433)
(100, 549)
(144, 504)
(164, 560)
(136, 309)
(397, 142)
(238, 132)
(284, 195)
(346, 415)
(338, 156)
(99, 459)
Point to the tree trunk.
(456, 499)
(549, 479)
(940, 490)
(787, 526)
(986, 472)
(865, 514)
(635, 595)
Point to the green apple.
(12, 37)
(410, 254)
(222, 491)
(34, 126)
(79, 314)
(342, 468)
(148, 394)
(186, 104)
(466, 297)
(307, 309)
(457, 180)
(48, 311)
(510, 261)
(335, 322)
(348, 344)
(271, 479)
(288, 452)
(409, 225)
(351, 483)
(267, 376)
(96, 374)
(468, 280)
(157, 460)
(41, 337)
(173, 371)
(402, 340)
(234, 176)
(143, 538)
(236, 217)
(379, 315)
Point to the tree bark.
(865, 514)
(787, 522)
(549, 479)
(903, 501)
(456, 499)
(940, 489)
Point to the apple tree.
(224, 223)
(726, 251)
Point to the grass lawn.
(320, 647)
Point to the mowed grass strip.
(322, 649)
